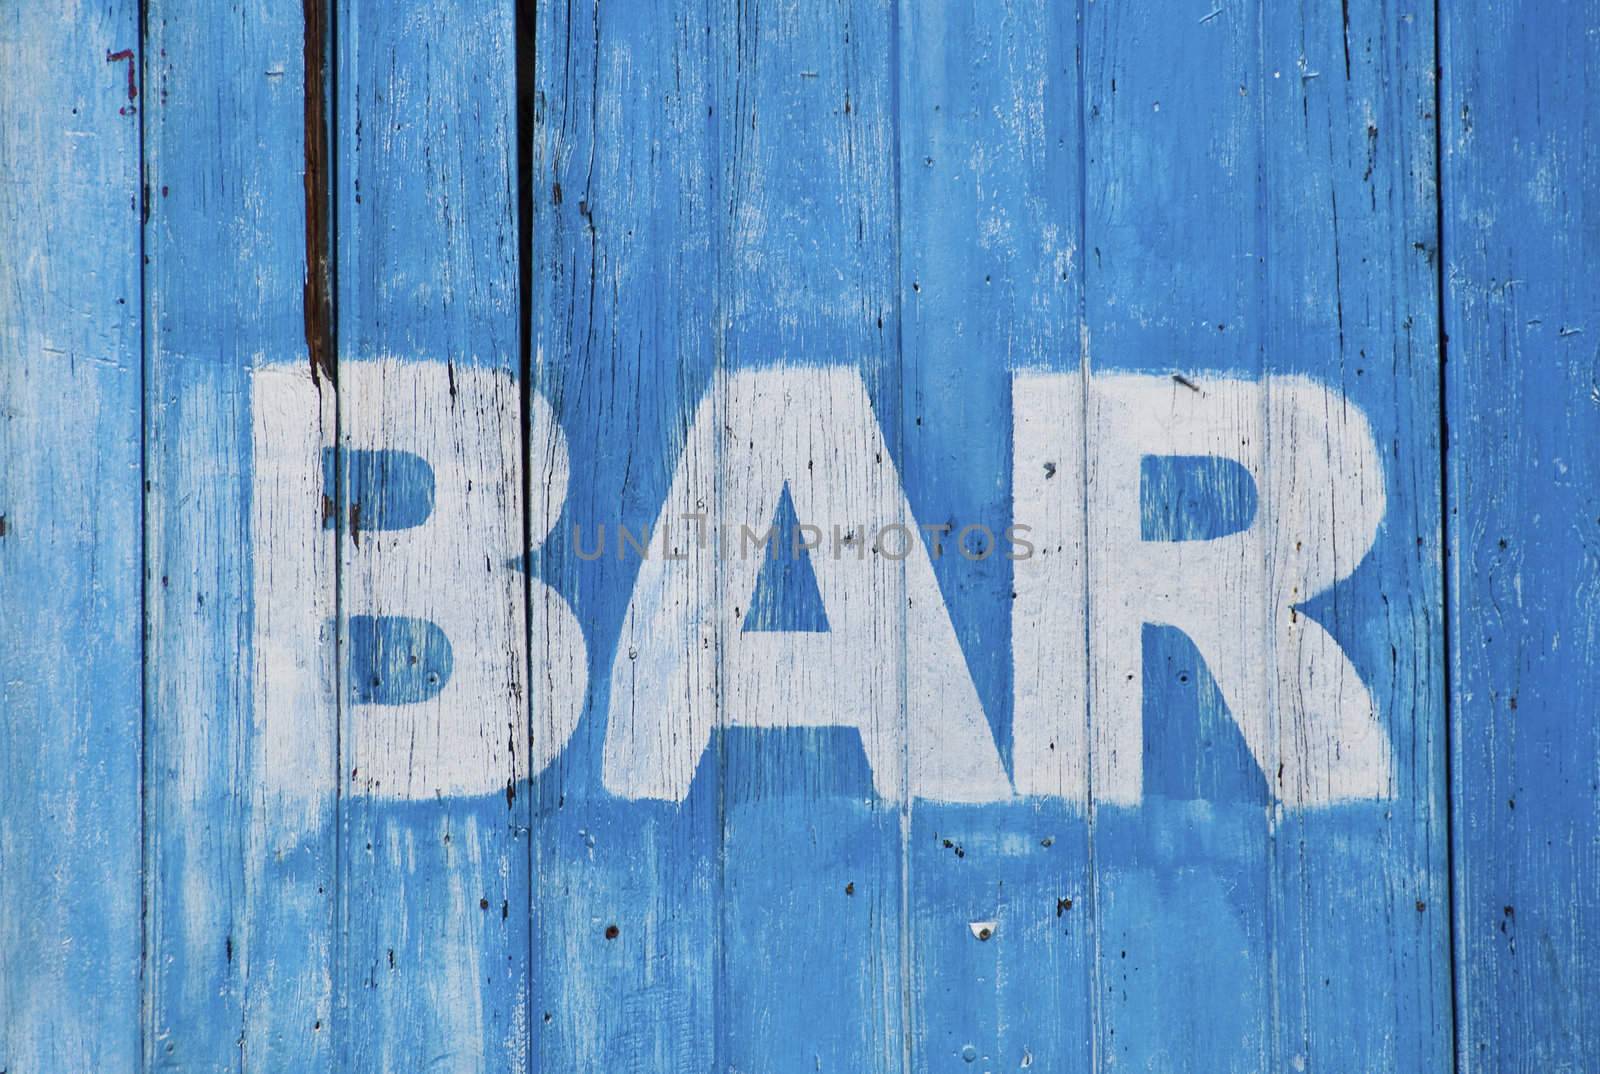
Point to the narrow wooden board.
(625, 209)
(1258, 213)
(70, 539)
(812, 897)
(241, 718)
(433, 729)
(1352, 290)
(1520, 176)
(991, 285)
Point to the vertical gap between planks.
(907, 971)
(327, 54)
(318, 297)
(524, 28)
(321, 74)
(1273, 1045)
(723, 91)
(723, 188)
(1272, 1042)
(1445, 534)
(146, 1004)
(1093, 888)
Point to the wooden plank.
(1256, 180)
(991, 284)
(623, 326)
(70, 539)
(1519, 178)
(434, 881)
(1181, 873)
(1352, 296)
(241, 736)
(814, 813)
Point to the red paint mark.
(133, 76)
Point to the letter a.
(889, 663)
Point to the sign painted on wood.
(748, 537)
(805, 572)
(945, 573)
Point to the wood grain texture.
(434, 868)
(812, 975)
(425, 769)
(241, 766)
(1521, 232)
(789, 295)
(1172, 151)
(1258, 202)
(991, 283)
(70, 538)
(1352, 291)
(625, 206)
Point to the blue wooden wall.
(335, 334)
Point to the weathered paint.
(625, 211)
(1521, 235)
(428, 783)
(989, 145)
(70, 538)
(1259, 184)
(433, 962)
(240, 756)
